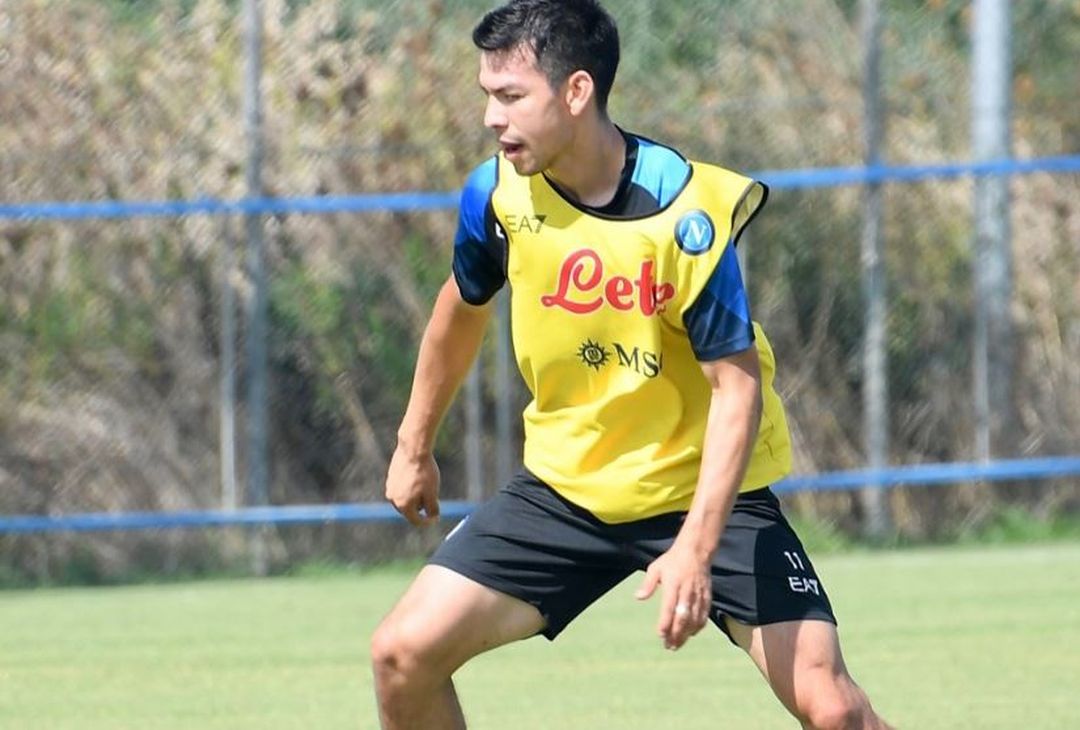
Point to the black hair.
(564, 35)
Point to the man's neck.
(591, 169)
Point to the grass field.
(941, 638)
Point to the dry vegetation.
(109, 330)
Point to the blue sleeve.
(479, 251)
(718, 323)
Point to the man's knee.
(842, 708)
(388, 653)
(399, 656)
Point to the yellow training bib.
(617, 420)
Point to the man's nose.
(494, 114)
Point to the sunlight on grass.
(941, 638)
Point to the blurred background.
(208, 356)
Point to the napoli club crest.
(695, 232)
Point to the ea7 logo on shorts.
(695, 232)
(804, 585)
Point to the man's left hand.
(686, 590)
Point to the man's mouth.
(511, 148)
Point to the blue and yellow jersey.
(612, 310)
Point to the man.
(654, 430)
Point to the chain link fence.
(111, 331)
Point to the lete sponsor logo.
(583, 289)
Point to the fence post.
(993, 339)
(256, 310)
(227, 374)
(474, 432)
(875, 386)
(504, 390)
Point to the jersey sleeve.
(479, 263)
(718, 322)
(715, 308)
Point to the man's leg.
(442, 621)
(801, 661)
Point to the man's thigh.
(529, 543)
(783, 650)
(801, 661)
(445, 619)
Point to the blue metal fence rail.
(923, 474)
(428, 201)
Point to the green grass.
(973, 637)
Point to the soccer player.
(654, 430)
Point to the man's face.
(529, 118)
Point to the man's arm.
(732, 427)
(447, 350)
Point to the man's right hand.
(447, 350)
(412, 486)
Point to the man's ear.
(580, 91)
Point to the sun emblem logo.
(593, 354)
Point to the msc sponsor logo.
(695, 232)
(593, 354)
(582, 287)
(643, 362)
(640, 361)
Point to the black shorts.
(534, 545)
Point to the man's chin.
(524, 167)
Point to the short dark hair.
(565, 36)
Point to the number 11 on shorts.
(795, 560)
